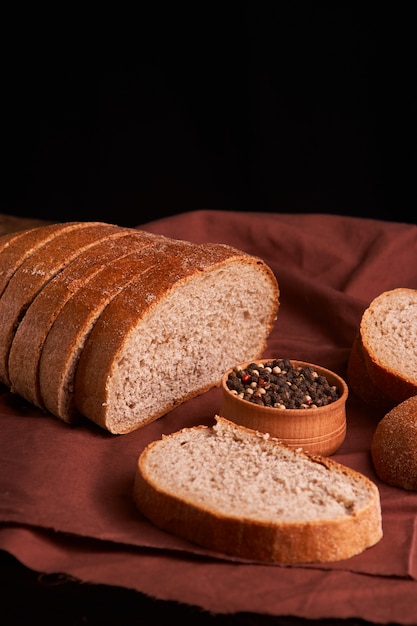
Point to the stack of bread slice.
(120, 325)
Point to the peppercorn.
(279, 384)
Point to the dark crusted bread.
(394, 446)
(238, 492)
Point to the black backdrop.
(290, 107)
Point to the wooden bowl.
(320, 430)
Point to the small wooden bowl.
(319, 431)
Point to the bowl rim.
(342, 385)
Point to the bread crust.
(394, 446)
(318, 540)
(57, 248)
(97, 366)
(16, 247)
(42, 312)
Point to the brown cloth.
(66, 491)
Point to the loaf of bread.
(394, 446)
(241, 493)
(385, 351)
(119, 325)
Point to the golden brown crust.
(279, 542)
(45, 308)
(21, 244)
(394, 446)
(57, 248)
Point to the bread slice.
(172, 334)
(388, 333)
(241, 493)
(68, 334)
(16, 247)
(46, 306)
(39, 265)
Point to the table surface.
(72, 535)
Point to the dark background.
(251, 106)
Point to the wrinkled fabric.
(66, 491)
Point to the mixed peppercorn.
(279, 384)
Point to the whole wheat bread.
(237, 492)
(388, 340)
(103, 335)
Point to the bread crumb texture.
(254, 478)
(236, 491)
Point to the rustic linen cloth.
(65, 491)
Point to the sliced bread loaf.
(46, 306)
(87, 327)
(235, 491)
(58, 248)
(388, 335)
(171, 335)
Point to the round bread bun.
(394, 446)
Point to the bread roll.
(237, 492)
(394, 446)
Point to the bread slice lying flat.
(388, 340)
(235, 491)
(120, 325)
